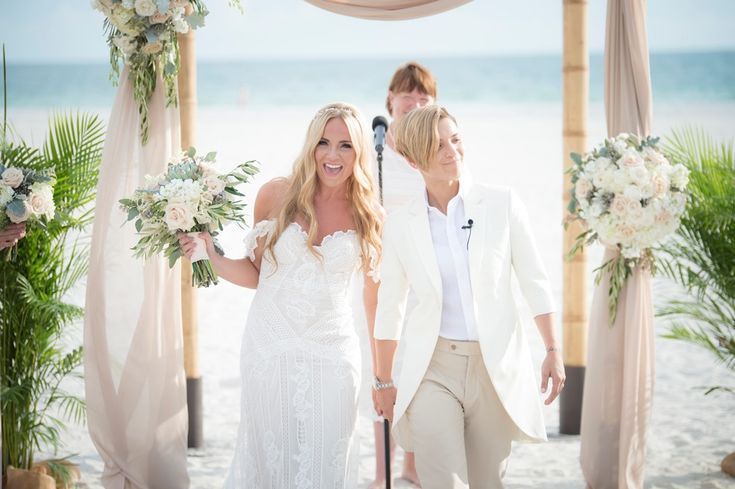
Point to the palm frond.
(74, 148)
(701, 255)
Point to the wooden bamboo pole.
(575, 72)
(187, 81)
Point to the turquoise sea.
(676, 77)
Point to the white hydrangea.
(182, 191)
(6, 194)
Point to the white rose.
(620, 147)
(654, 157)
(181, 26)
(633, 192)
(620, 180)
(41, 204)
(178, 217)
(680, 176)
(104, 6)
(25, 212)
(126, 44)
(639, 174)
(152, 47)
(660, 184)
(630, 159)
(41, 200)
(121, 15)
(214, 185)
(159, 18)
(6, 194)
(620, 205)
(145, 8)
(12, 177)
(582, 188)
(595, 209)
(129, 4)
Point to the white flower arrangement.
(190, 197)
(143, 35)
(25, 195)
(630, 197)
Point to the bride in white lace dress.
(300, 361)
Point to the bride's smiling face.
(334, 154)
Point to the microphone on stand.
(380, 126)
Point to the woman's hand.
(188, 244)
(11, 234)
(385, 400)
(552, 368)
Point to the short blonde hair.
(409, 77)
(417, 134)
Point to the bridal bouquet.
(24, 195)
(189, 197)
(630, 197)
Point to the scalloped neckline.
(326, 238)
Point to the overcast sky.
(69, 30)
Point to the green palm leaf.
(701, 257)
(34, 310)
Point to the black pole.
(570, 401)
(386, 441)
(380, 175)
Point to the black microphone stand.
(380, 173)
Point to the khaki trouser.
(461, 433)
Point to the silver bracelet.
(378, 385)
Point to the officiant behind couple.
(467, 388)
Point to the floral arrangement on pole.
(190, 197)
(143, 35)
(630, 197)
(25, 195)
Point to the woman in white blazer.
(467, 388)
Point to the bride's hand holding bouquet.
(189, 198)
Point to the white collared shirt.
(452, 256)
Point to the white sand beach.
(516, 145)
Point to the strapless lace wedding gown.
(300, 367)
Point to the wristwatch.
(378, 385)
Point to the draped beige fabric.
(134, 375)
(628, 101)
(618, 387)
(387, 9)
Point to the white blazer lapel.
(421, 234)
(475, 210)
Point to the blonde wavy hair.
(303, 183)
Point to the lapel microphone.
(469, 224)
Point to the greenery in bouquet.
(142, 34)
(189, 197)
(630, 197)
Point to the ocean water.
(676, 78)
